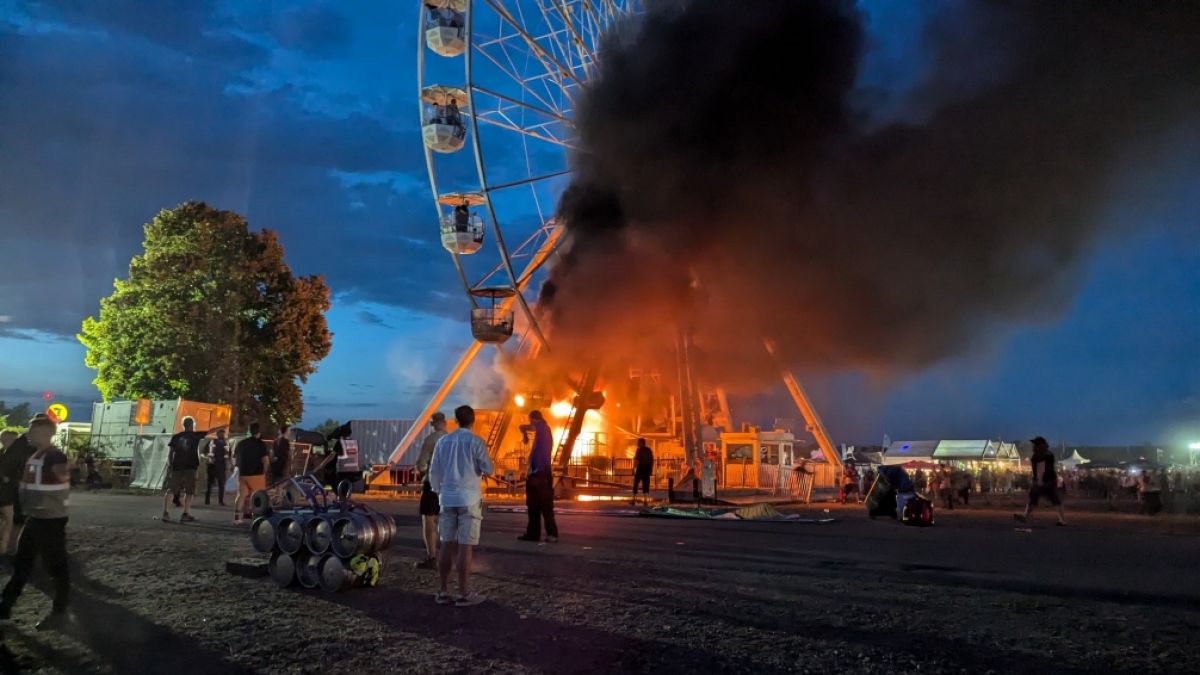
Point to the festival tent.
(1074, 460)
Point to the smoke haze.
(735, 176)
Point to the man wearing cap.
(1045, 481)
(430, 506)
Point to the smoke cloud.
(735, 176)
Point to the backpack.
(917, 511)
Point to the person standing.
(539, 484)
(218, 465)
(45, 486)
(985, 484)
(251, 458)
(459, 462)
(183, 461)
(8, 488)
(1045, 481)
(281, 456)
(643, 469)
(430, 506)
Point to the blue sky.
(302, 117)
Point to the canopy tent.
(901, 452)
(1074, 461)
(916, 464)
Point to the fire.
(561, 409)
(519, 400)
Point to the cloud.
(123, 108)
(368, 317)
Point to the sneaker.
(427, 564)
(1018, 517)
(525, 537)
(1061, 523)
(55, 620)
(469, 600)
(443, 598)
(187, 518)
(237, 520)
(551, 540)
(166, 516)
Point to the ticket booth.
(754, 459)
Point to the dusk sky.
(302, 117)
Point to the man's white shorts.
(461, 524)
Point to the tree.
(210, 312)
(327, 427)
(19, 414)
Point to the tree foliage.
(327, 427)
(210, 312)
(18, 415)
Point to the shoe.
(525, 537)
(443, 598)
(237, 520)
(427, 564)
(54, 621)
(1061, 523)
(187, 518)
(469, 600)
(551, 540)
(1018, 517)
(166, 516)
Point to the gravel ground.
(617, 595)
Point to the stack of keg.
(334, 548)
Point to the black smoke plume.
(734, 175)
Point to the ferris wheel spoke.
(511, 74)
(522, 104)
(544, 56)
(526, 131)
(527, 181)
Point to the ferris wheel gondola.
(498, 81)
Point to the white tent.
(1074, 460)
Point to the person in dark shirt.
(44, 488)
(1045, 481)
(183, 461)
(251, 458)
(11, 465)
(218, 463)
(643, 468)
(539, 484)
(280, 456)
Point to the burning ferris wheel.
(498, 81)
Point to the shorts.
(248, 485)
(182, 480)
(461, 524)
(1050, 492)
(430, 506)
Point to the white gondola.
(446, 26)
(442, 118)
(493, 323)
(462, 229)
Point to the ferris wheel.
(498, 81)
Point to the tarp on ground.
(149, 470)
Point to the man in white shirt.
(459, 462)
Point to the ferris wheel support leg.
(431, 407)
(811, 418)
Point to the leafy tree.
(18, 414)
(327, 427)
(210, 312)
